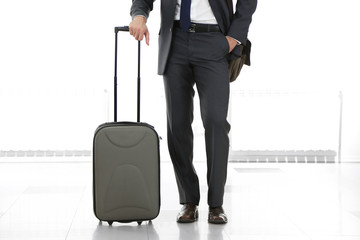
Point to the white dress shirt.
(200, 12)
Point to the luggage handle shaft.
(126, 29)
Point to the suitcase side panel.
(126, 172)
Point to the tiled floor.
(263, 201)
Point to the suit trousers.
(198, 59)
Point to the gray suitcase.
(126, 166)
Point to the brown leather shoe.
(217, 215)
(188, 214)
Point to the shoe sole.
(188, 220)
(217, 222)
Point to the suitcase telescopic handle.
(126, 29)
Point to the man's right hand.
(138, 29)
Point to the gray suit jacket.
(238, 28)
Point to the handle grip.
(122, 29)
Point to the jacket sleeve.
(239, 27)
(141, 7)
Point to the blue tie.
(185, 15)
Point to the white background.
(56, 75)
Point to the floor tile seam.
(226, 233)
(355, 213)
(75, 214)
(15, 201)
(293, 223)
(334, 235)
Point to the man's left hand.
(232, 43)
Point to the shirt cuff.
(140, 16)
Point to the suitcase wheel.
(110, 222)
(139, 223)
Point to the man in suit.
(195, 42)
